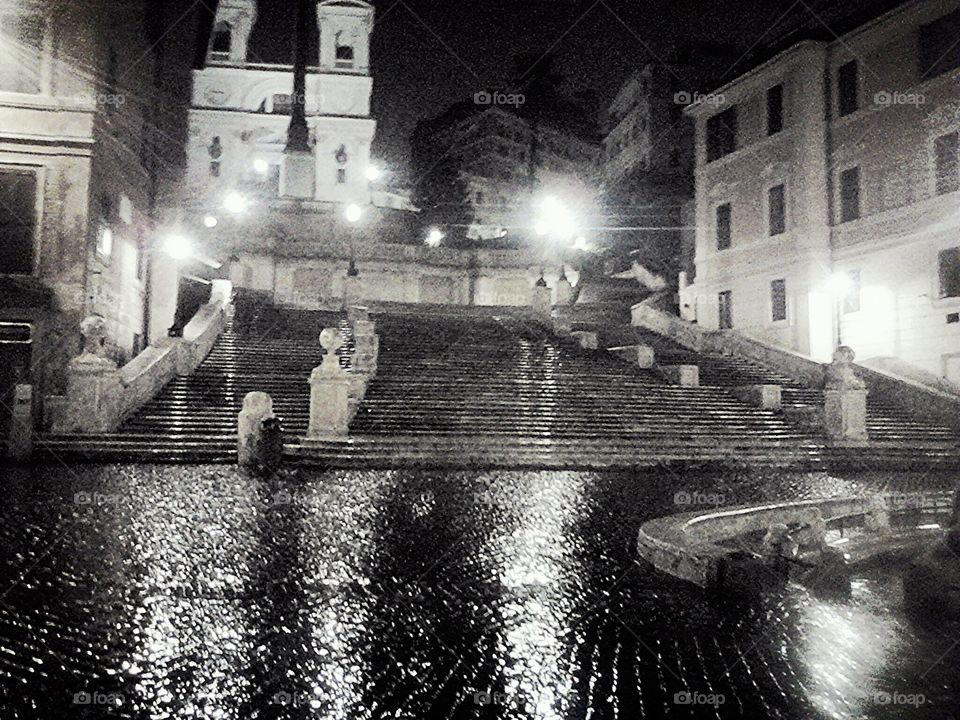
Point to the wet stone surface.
(205, 592)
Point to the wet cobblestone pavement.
(203, 592)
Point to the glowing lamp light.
(178, 247)
(434, 237)
(581, 244)
(210, 221)
(374, 173)
(261, 166)
(353, 212)
(541, 228)
(840, 284)
(235, 202)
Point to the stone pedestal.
(329, 392)
(683, 375)
(562, 320)
(352, 290)
(845, 415)
(765, 397)
(642, 355)
(542, 299)
(564, 291)
(259, 437)
(299, 174)
(586, 339)
(20, 441)
(93, 395)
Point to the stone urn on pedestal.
(93, 385)
(329, 392)
(844, 400)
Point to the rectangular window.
(774, 109)
(778, 209)
(341, 176)
(939, 51)
(778, 300)
(724, 217)
(21, 35)
(18, 197)
(848, 87)
(725, 300)
(721, 134)
(945, 150)
(949, 261)
(851, 298)
(849, 194)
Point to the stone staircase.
(481, 388)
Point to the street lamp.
(210, 221)
(374, 173)
(353, 213)
(234, 202)
(434, 237)
(179, 247)
(261, 166)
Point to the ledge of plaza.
(761, 546)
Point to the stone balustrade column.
(329, 392)
(93, 385)
(844, 400)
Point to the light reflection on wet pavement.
(204, 592)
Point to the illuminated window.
(724, 216)
(21, 51)
(848, 88)
(778, 300)
(725, 315)
(949, 266)
(18, 196)
(849, 194)
(945, 150)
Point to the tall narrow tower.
(231, 32)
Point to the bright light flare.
(353, 212)
(581, 243)
(840, 284)
(434, 237)
(210, 221)
(235, 202)
(261, 166)
(374, 173)
(178, 247)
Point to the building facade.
(78, 174)
(827, 186)
(506, 161)
(241, 110)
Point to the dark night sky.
(427, 54)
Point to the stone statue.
(331, 340)
(94, 332)
(840, 374)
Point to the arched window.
(221, 39)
